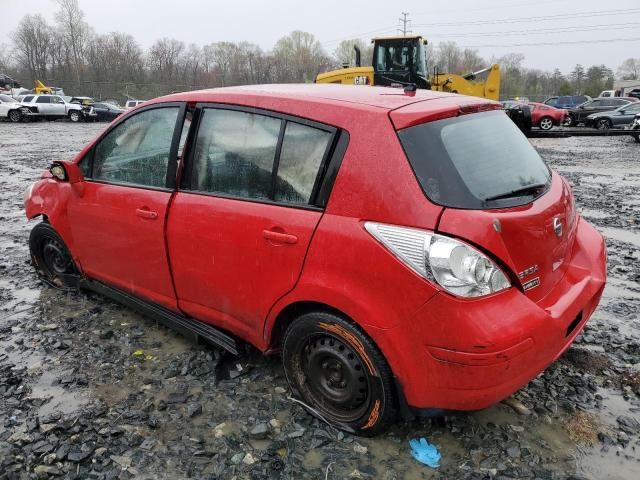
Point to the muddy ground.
(90, 389)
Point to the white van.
(132, 104)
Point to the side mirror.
(66, 171)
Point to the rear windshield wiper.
(518, 192)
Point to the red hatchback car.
(405, 252)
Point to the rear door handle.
(146, 213)
(279, 237)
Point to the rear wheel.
(546, 123)
(74, 116)
(50, 255)
(339, 374)
(15, 116)
(603, 124)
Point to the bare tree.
(630, 69)
(164, 60)
(299, 57)
(75, 32)
(345, 53)
(31, 41)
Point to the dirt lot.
(90, 389)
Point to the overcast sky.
(494, 33)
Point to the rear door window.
(475, 161)
(235, 153)
(43, 100)
(303, 150)
(259, 157)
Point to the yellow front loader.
(41, 89)
(401, 61)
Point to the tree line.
(69, 54)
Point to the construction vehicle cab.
(402, 61)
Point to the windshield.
(475, 161)
(400, 56)
(6, 99)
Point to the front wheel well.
(293, 311)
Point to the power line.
(602, 13)
(586, 28)
(358, 35)
(541, 44)
(501, 6)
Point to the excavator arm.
(469, 84)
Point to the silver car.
(54, 107)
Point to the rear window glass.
(468, 161)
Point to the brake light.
(478, 107)
(457, 267)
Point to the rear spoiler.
(438, 109)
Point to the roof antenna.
(411, 88)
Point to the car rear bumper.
(474, 353)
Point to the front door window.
(137, 151)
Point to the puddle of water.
(616, 463)
(621, 235)
(619, 289)
(61, 400)
(587, 212)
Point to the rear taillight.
(457, 267)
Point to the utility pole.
(404, 21)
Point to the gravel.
(79, 400)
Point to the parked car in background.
(546, 116)
(618, 118)
(508, 104)
(566, 101)
(404, 252)
(132, 104)
(635, 93)
(607, 93)
(84, 101)
(107, 112)
(54, 107)
(580, 113)
(12, 110)
(635, 128)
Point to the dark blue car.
(567, 101)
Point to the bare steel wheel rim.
(336, 381)
(55, 258)
(546, 124)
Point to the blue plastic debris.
(425, 452)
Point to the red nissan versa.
(405, 252)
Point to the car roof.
(352, 96)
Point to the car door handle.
(146, 213)
(279, 237)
